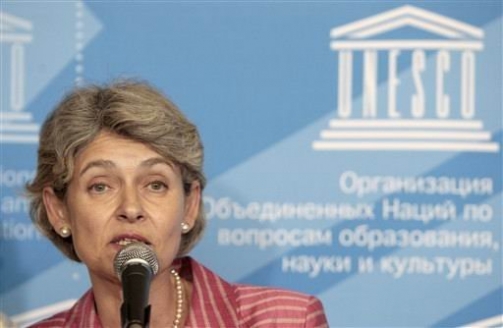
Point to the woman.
(121, 164)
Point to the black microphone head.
(135, 253)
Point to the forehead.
(122, 151)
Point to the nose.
(130, 207)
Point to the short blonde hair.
(131, 109)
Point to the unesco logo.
(429, 107)
(16, 125)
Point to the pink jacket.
(217, 303)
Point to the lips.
(126, 239)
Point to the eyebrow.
(154, 161)
(106, 164)
(98, 163)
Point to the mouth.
(124, 240)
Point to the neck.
(162, 298)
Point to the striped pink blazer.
(217, 303)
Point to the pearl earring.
(185, 227)
(65, 232)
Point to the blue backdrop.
(353, 149)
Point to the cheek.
(167, 212)
(168, 245)
(168, 225)
(87, 221)
(83, 209)
(171, 227)
(89, 234)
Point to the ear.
(56, 209)
(192, 203)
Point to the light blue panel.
(260, 81)
(421, 299)
(34, 293)
(54, 41)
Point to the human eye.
(98, 188)
(157, 186)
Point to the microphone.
(135, 265)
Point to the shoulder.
(264, 306)
(57, 320)
(81, 314)
(249, 306)
(247, 294)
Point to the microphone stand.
(135, 310)
(126, 323)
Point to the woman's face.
(122, 191)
